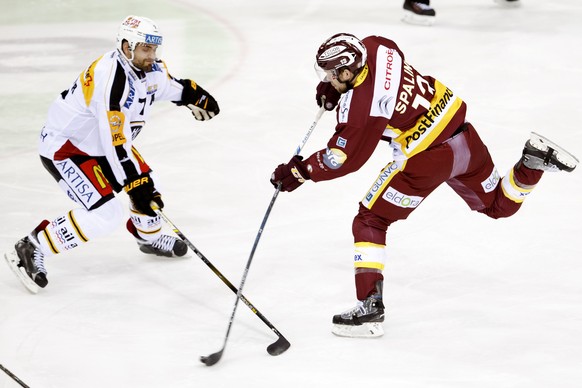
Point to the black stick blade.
(278, 347)
(212, 359)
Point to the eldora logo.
(491, 182)
(399, 199)
(153, 39)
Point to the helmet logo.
(153, 39)
(131, 22)
(341, 50)
(330, 52)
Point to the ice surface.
(471, 302)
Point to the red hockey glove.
(142, 192)
(200, 102)
(332, 96)
(291, 175)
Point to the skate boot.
(32, 259)
(418, 12)
(164, 246)
(363, 321)
(540, 153)
(27, 261)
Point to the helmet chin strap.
(349, 83)
(132, 54)
(134, 66)
(130, 60)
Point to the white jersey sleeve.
(103, 111)
(167, 88)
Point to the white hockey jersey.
(104, 110)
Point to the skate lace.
(359, 310)
(164, 243)
(38, 258)
(422, 6)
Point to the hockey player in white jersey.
(87, 146)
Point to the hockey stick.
(13, 376)
(281, 344)
(273, 349)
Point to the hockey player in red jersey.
(382, 97)
(87, 146)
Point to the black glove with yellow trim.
(200, 102)
(142, 192)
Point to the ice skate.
(540, 153)
(164, 246)
(418, 12)
(363, 321)
(27, 263)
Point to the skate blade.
(366, 330)
(13, 260)
(419, 20)
(542, 143)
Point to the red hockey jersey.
(390, 101)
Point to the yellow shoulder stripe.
(87, 80)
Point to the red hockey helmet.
(339, 51)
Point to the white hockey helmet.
(339, 51)
(138, 29)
